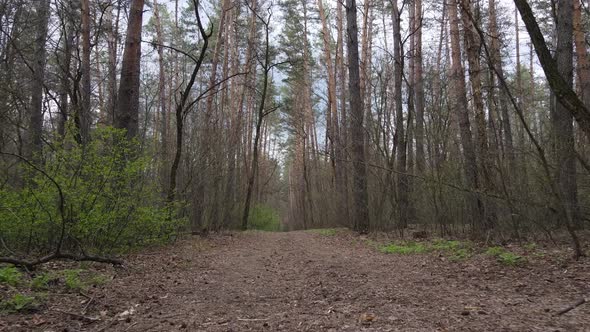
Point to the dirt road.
(304, 281)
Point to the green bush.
(505, 257)
(99, 197)
(10, 275)
(511, 259)
(264, 218)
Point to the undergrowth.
(26, 292)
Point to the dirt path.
(302, 281)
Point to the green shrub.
(460, 254)
(505, 257)
(404, 248)
(495, 251)
(72, 279)
(18, 303)
(42, 281)
(10, 275)
(511, 259)
(109, 197)
(264, 218)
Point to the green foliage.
(110, 201)
(511, 259)
(10, 275)
(451, 245)
(19, 303)
(324, 231)
(495, 251)
(460, 254)
(72, 279)
(505, 257)
(264, 218)
(405, 248)
(41, 281)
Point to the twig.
(572, 307)
(87, 305)
(90, 319)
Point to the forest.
(312, 147)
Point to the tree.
(357, 133)
(262, 111)
(38, 69)
(562, 120)
(127, 115)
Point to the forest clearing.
(319, 280)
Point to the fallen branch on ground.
(572, 307)
(30, 265)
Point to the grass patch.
(405, 248)
(72, 279)
(447, 245)
(19, 303)
(10, 276)
(43, 281)
(324, 231)
(460, 254)
(505, 257)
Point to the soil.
(308, 281)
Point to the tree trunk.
(419, 89)
(561, 119)
(83, 113)
(400, 143)
(360, 194)
(38, 68)
(128, 97)
(460, 108)
(583, 64)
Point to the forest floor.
(314, 281)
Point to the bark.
(400, 143)
(460, 109)
(472, 46)
(419, 89)
(332, 109)
(496, 63)
(262, 112)
(112, 44)
(83, 114)
(563, 130)
(162, 96)
(583, 63)
(360, 195)
(128, 96)
(341, 125)
(38, 68)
